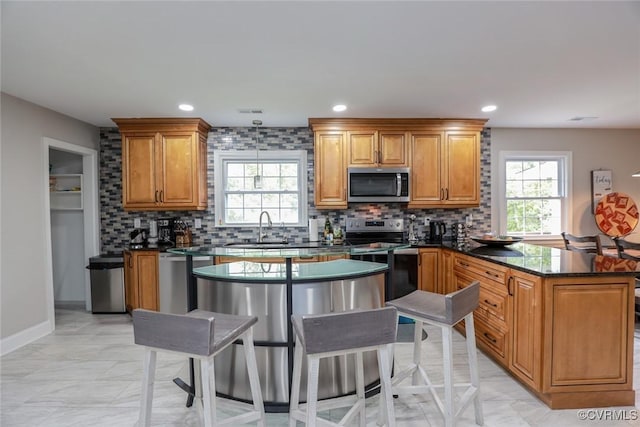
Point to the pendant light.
(257, 179)
(636, 175)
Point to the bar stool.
(194, 335)
(443, 311)
(338, 334)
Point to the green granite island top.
(246, 271)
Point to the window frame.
(222, 157)
(565, 176)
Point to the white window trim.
(219, 157)
(566, 156)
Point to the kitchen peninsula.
(560, 322)
(273, 291)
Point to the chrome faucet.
(260, 234)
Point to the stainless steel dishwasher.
(172, 279)
(107, 283)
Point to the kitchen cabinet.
(164, 163)
(377, 149)
(141, 279)
(445, 169)
(428, 270)
(443, 156)
(446, 271)
(330, 183)
(491, 317)
(525, 291)
(65, 191)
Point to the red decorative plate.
(616, 214)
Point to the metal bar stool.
(443, 311)
(199, 334)
(336, 334)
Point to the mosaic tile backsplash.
(116, 223)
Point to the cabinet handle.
(488, 273)
(509, 286)
(156, 196)
(130, 261)
(490, 303)
(464, 264)
(490, 338)
(161, 196)
(447, 194)
(442, 194)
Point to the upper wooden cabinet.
(443, 156)
(445, 169)
(369, 148)
(164, 163)
(330, 170)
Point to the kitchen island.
(273, 292)
(560, 322)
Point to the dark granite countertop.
(548, 262)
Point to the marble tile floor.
(88, 373)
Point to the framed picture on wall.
(600, 185)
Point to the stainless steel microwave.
(378, 184)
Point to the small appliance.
(378, 185)
(437, 230)
(166, 231)
(138, 238)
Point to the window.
(535, 193)
(247, 184)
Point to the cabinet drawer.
(491, 273)
(494, 303)
(492, 338)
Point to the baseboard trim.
(22, 338)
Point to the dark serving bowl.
(496, 241)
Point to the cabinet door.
(461, 168)
(330, 170)
(362, 148)
(426, 185)
(130, 283)
(178, 180)
(428, 270)
(146, 264)
(392, 149)
(446, 272)
(526, 327)
(139, 170)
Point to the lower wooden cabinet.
(428, 267)
(141, 280)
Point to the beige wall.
(617, 150)
(22, 209)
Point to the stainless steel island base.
(268, 301)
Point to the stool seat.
(334, 334)
(198, 332)
(447, 309)
(444, 311)
(201, 335)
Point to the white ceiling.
(542, 63)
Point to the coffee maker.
(166, 231)
(437, 230)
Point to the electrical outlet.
(427, 220)
(197, 223)
(136, 223)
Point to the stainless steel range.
(405, 261)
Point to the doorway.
(76, 194)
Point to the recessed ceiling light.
(489, 108)
(185, 107)
(581, 118)
(340, 107)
